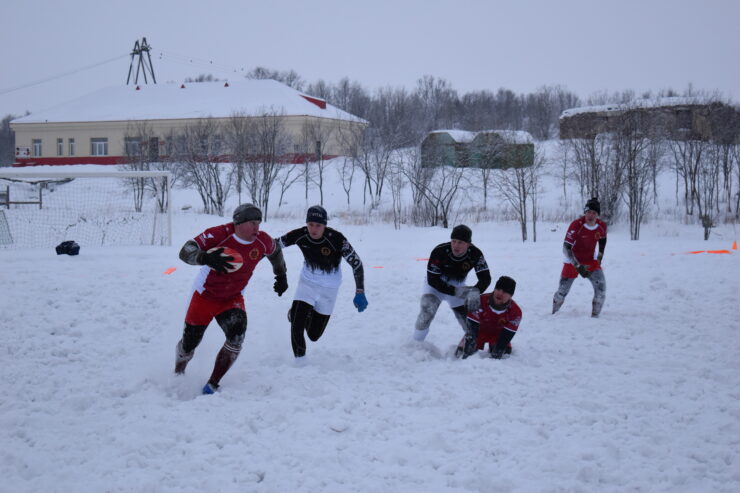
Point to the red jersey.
(492, 322)
(584, 238)
(220, 286)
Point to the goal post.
(42, 208)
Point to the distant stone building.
(483, 149)
(674, 118)
(93, 129)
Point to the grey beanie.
(247, 212)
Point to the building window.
(99, 147)
(71, 147)
(132, 146)
(60, 147)
(36, 143)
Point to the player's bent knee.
(191, 336)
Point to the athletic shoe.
(556, 305)
(210, 388)
(596, 309)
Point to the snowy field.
(645, 398)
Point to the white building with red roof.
(93, 129)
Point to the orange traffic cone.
(734, 245)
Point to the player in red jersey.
(495, 323)
(218, 288)
(579, 248)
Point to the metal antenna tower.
(144, 64)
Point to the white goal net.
(93, 208)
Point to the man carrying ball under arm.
(219, 285)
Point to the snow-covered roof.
(466, 136)
(457, 135)
(512, 136)
(195, 100)
(638, 103)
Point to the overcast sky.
(585, 45)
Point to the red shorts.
(570, 272)
(202, 310)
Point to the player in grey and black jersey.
(447, 269)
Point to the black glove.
(583, 270)
(281, 284)
(502, 344)
(470, 340)
(600, 257)
(217, 261)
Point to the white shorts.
(320, 297)
(451, 300)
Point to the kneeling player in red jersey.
(495, 323)
(219, 285)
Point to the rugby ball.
(230, 252)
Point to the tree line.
(620, 167)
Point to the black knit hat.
(316, 214)
(247, 212)
(462, 233)
(506, 284)
(593, 205)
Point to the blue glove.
(360, 301)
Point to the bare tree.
(640, 150)
(237, 134)
(287, 77)
(542, 113)
(563, 159)
(487, 154)
(418, 176)
(439, 185)
(736, 158)
(514, 185)
(199, 150)
(390, 130)
(269, 144)
(319, 132)
(346, 172)
(141, 150)
(350, 141)
(706, 187)
(437, 99)
(687, 158)
(599, 171)
(519, 186)
(135, 146)
(376, 152)
(201, 78)
(397, 181)
(535, 173)
(287, 175)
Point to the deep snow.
(644, 398)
